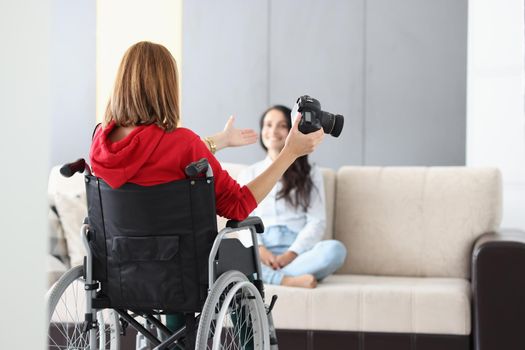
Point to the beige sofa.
(408, 280)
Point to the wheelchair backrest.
(150, 245)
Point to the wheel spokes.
(67, 321)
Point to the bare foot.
(303, 281)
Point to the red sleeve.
(232, 200)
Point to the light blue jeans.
(322, 260)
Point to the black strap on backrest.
(97, 240)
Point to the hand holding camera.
(299, 143)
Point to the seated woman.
(293, 213)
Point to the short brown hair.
(146, 88)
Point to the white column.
(24, 159)
(495, 98)
(122, 23)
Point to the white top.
(309, 225)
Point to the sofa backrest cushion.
(414, 221)
(68, 195)
(329, 191)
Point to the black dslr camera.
(313, 118)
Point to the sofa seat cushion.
(376, 304)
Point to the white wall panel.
(496, 116)
(122, 23)
(24, 158)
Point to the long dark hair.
(297, 176)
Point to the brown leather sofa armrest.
(498, 290)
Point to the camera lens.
(338, 125)
(332, 123)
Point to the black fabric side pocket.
(150, 270)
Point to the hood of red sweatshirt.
(117, 162)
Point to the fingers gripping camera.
(313, 118)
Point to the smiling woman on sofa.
(291, 249)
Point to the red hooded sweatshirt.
(150, 156)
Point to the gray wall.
(72, 82)
(395, 69)
(415, 82)
(225, 67)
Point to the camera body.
(313, 118)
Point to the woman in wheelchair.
(291, 249)
(151, 220)
(141, 141)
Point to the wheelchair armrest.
(248, 222)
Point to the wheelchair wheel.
(66, 306)
(233, 316)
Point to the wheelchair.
(154, 251)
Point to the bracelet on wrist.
(211, 144)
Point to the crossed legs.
(309, 267)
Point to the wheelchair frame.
(166, 339)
